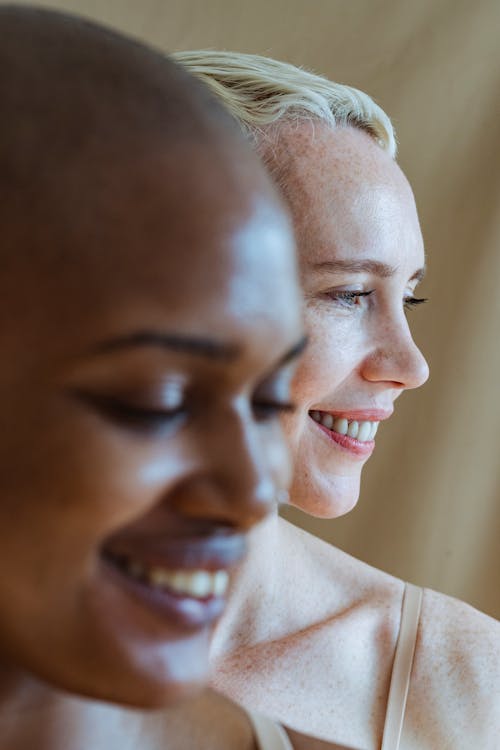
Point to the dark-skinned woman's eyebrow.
(201, 346)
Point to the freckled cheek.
(331, 356)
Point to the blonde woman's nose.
(396, 359)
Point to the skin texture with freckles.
(310, 633)
(360, 357)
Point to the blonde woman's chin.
(324, 496)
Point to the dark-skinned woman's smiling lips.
(182, 579)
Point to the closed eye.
(139, 418)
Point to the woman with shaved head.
(318, 639)
(150, 321)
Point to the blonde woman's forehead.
(343, 190)
(316, 148)
(311, 162)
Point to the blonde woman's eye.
(410, 303)
(348, 298)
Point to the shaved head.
(114, 163)
(77, 97)
(67, 83)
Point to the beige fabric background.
(429, 509)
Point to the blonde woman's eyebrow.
(374, 267)
(419, 275)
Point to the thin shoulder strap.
(269, 735)
(401, 669)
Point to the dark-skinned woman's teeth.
(198, 584)
(362, 431)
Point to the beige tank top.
(269, 735)
(401, 669)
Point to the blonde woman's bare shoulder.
(345, 578)
(454, 697)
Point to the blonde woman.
(311, 635)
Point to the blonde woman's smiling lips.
(353, 430)
(183, 581)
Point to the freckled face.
(142, 378)
(361, 256)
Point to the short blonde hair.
(259, 91)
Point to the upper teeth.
(195, 583)
(362, 431)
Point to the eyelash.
(410, 303)
(139, 418)
(264, 411)
(148, 420)
(348, 297)
(151, 420)
(157, 421)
